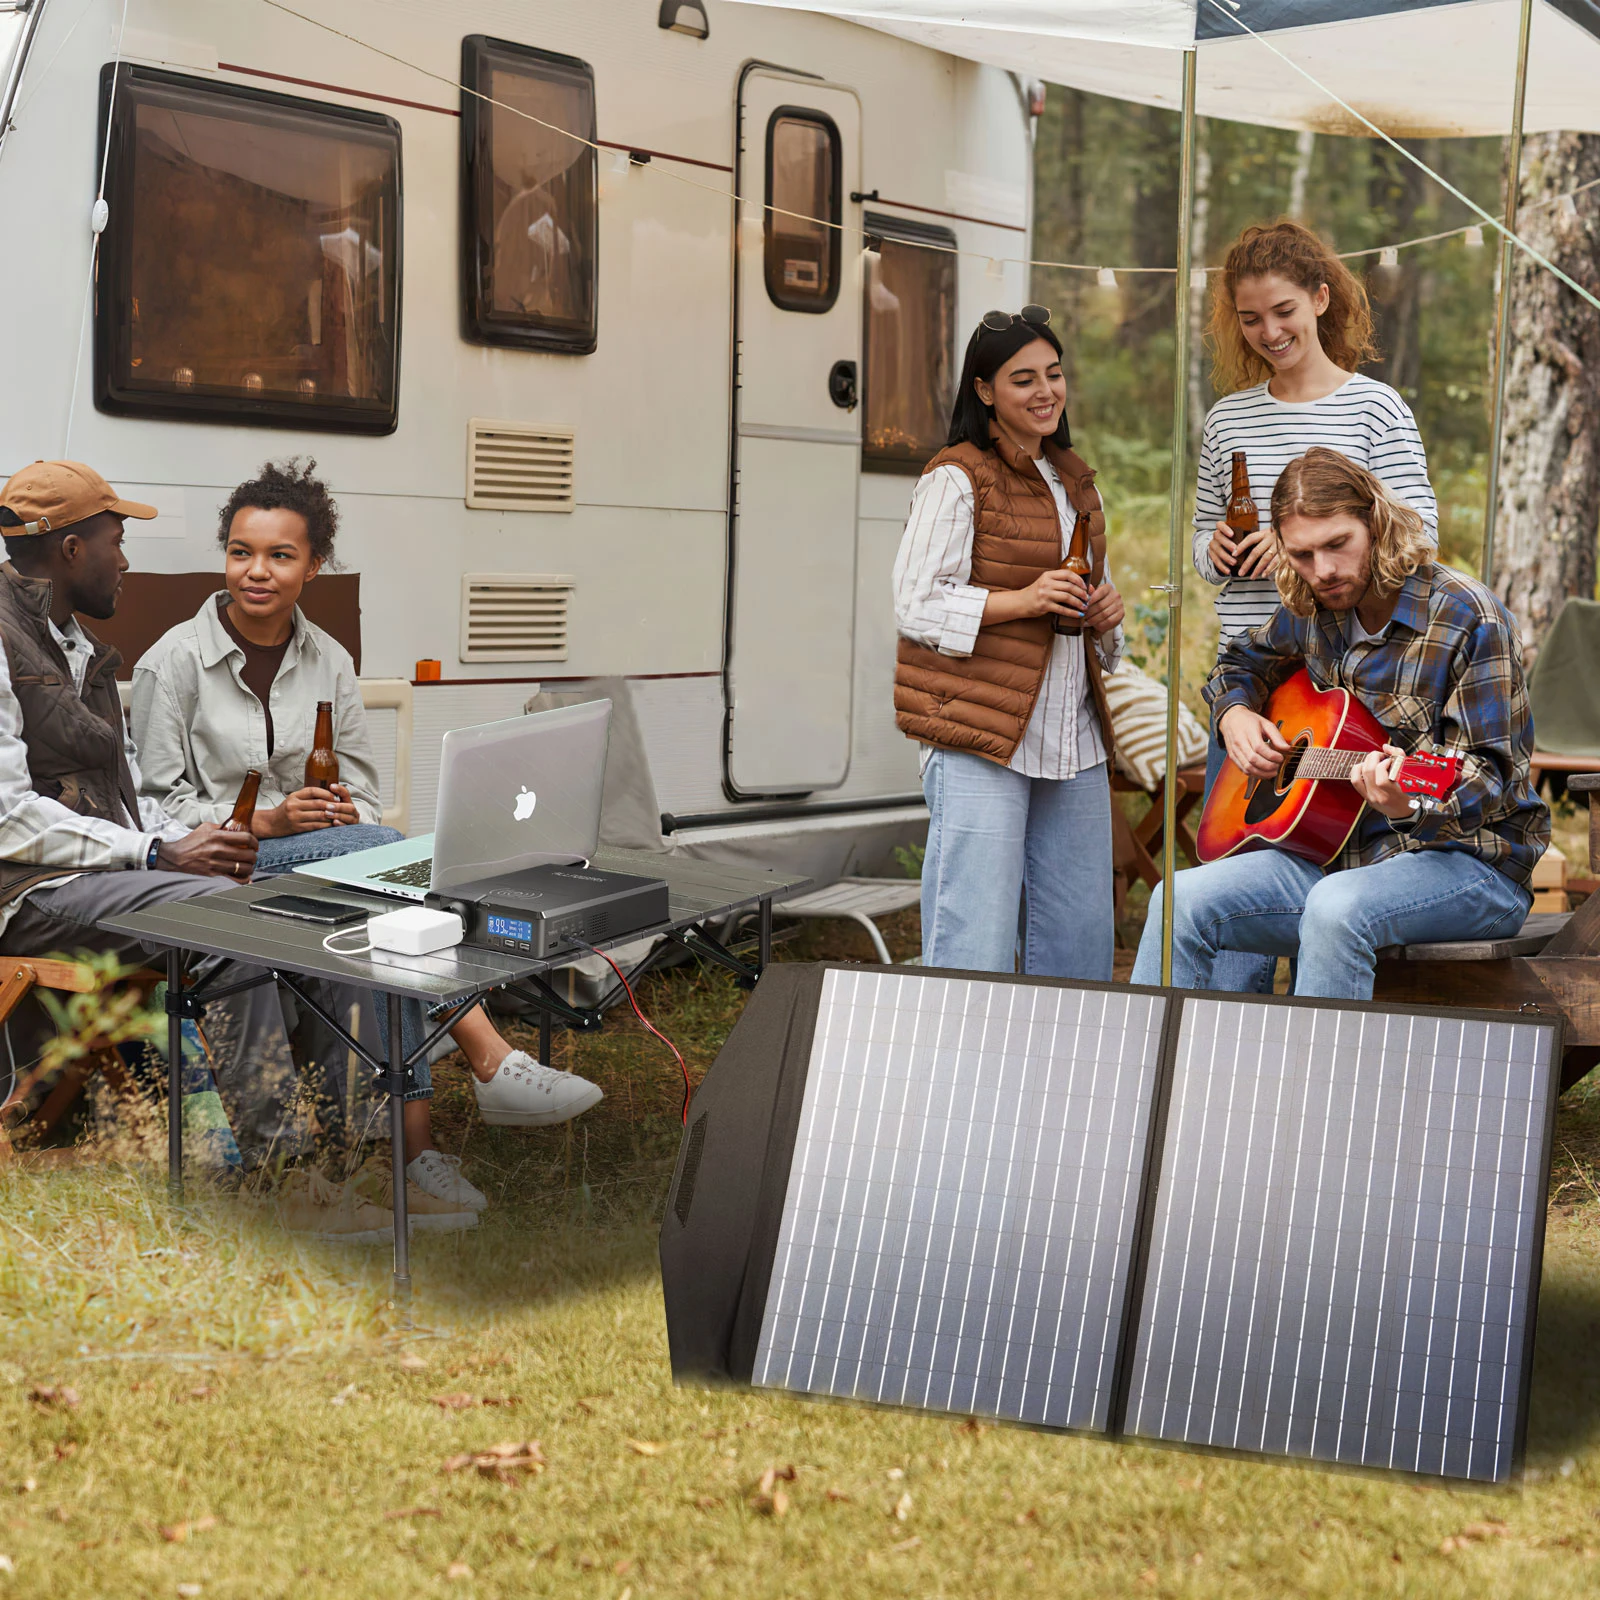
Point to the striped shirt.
(1446, 672)
(936, 605)
(1362, 418)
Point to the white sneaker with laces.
(525, 1094)
(437, 1174)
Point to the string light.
(1389, 256)
(1106, 278)
(1474, 237)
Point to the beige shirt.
(199, 730)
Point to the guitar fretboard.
(1320, 763)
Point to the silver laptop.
(520, 793)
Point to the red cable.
(683, 1066)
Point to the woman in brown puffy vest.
(1011, 716)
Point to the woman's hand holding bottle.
(1057, 593)
(307, 810)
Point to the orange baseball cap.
(52, 495)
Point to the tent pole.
(1502, 331)
(1176, 541)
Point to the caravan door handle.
(842, 385)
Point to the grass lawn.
(249, 1417)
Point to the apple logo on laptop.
(525, 804)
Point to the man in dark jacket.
(77, 843)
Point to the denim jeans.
(1233, 970)
(278, 856)
(1275, 904)
(998, 841)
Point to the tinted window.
(529, 232)
(803, 173)
(910, 343)
(250, 268)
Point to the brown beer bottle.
(1242, 516)
(322, 765)
(244, 808)
(1077, 561)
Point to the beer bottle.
(1077, 561)
(1242, 516)
(322, 765)
(244, 808)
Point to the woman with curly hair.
(1290, 325)
(236, 687)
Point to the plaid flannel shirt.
(1446, 674)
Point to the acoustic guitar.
(1310, 808)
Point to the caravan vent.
(513, 466)
(514, 616)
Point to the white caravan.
(587, 414)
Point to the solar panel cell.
(961, 1205)
(1343, 1245)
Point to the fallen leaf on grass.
(907, 1544)
(708, 1502)
(837, 1495)
(412, 1511)
(412, 1362)
(348, 1393)
(49, 1394)
(204, 1392)
(1025, 1517)
(971, 1425)
(178, 1532)
(7, 1564)
(773, 1474)
(66, 1448)
(623, 1567)
(189, 1591)
(1473, 1533)
(501, 1461)
(458, 1569)
(902, 1507)
(1150, 1576)
(646, 1447)
(454, 1402)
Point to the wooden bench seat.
(1553, 964)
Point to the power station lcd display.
(1344, 1246)
(961, 1205)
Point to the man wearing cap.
(77, 843)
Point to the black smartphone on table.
(301, 908)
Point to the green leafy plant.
(910, 857)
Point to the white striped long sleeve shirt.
(34, 828)
(937, 605)
(1362, 418)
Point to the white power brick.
(415, 931)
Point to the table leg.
(174, 1078)
(765, 951)
(397, 1154)
(544, 1036)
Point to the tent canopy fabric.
(1415, 67)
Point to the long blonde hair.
(1293, 251)
(1324, 483)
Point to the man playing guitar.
(1435, 658)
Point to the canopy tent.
(1414, 67)
(1387, 68)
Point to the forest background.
(1106, 191)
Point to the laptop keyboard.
(414, 875)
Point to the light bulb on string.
(1474, 237)
(1105, 278)
(1197, 277)
(1389, 256)
(994, 270)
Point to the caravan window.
(529, 228)
(910, 343)
(803, 210)
(250, 270)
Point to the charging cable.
(683, 1066)
(347, 950)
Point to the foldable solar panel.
(1287, 1227)
(1344, 1249)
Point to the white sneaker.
(437, 1174)
(525, 1094)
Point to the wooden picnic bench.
(1552, 963)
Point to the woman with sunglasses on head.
(1289, 326)
(1009, 711)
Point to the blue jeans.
(1271, 903)
(278, 856)
(997, 842)
(1234, 971)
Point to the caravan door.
(797, 437)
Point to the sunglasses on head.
(1034, 316)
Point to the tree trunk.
(1548, 517)
(1147, 298)
(1058, 225)
(1199, 238)
(1305, 143)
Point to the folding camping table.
(450, 982)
